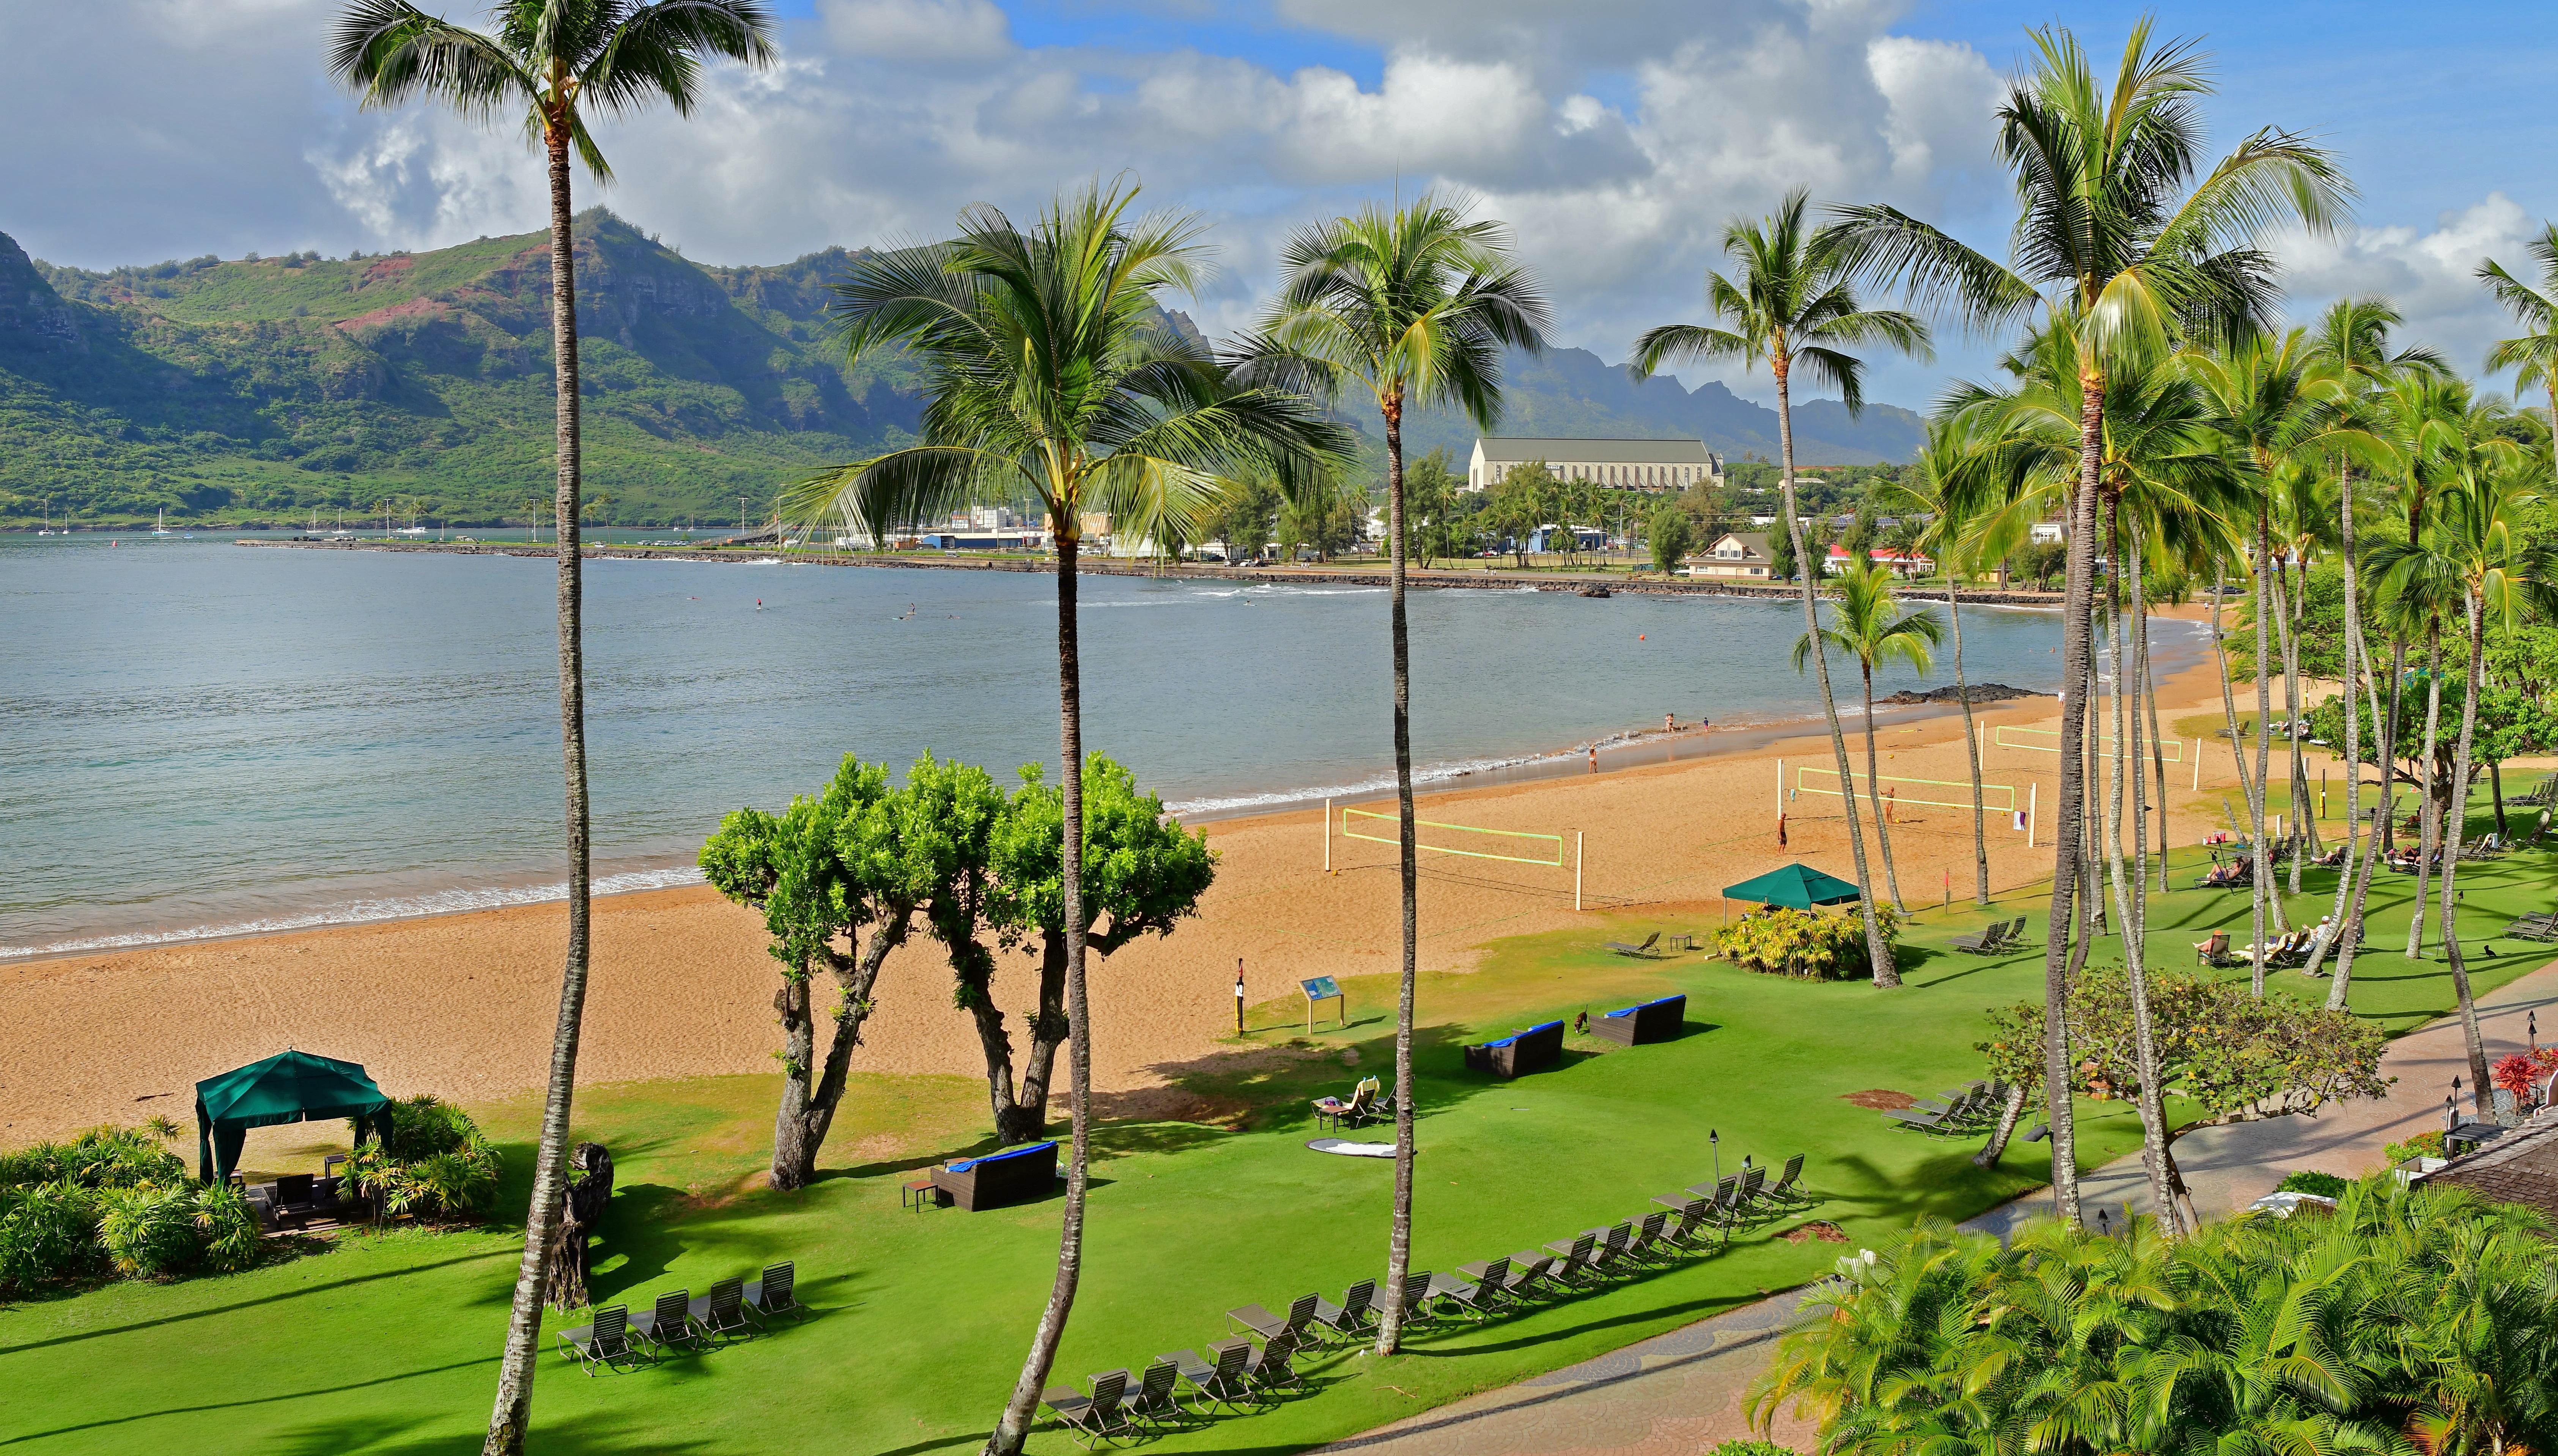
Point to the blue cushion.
(1542, 1026)
(1505, 1041)
(1622, 1011)
(1022, 1151)
(1666, 1000)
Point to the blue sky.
(1615, 135)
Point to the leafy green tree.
(1868, 624)
(1670, 538)
(1518, 504)
(2533, 356)
(2111, 214)
(826, 870)
(1783, 564)
(1143, 875)
(1412, 307)
(1248, 517)
(1429, 489)
(1793, 306)
(554, 63)
(1049, 375)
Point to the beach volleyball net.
(1996, 798)
(1521, 846)
(2048, 740)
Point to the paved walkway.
(1679, 1393)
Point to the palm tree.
(554, 62)
(2473, 553)
(1052, 375)
(2112, 216)
(1793, 306)
(1413, 307)
(2275, 400)
(1955, 478)
(2534, 356)
(1865, 628)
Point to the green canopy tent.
(1797, 887)
(289, 1086)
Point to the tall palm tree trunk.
(2127, 904)
(2453, 827)
(1885, 974)
(2389, 744)
(2149, 700)
(2263, 879)
(1874, 792)
(2350, 926)
(2349, 678)
(508, 1423)
(2077, 673)
(2228, 701)
(1399, 1246)
(1015, 1424)
(2429, 826)
(1972, 751)
(2286, 603)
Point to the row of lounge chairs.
(1962, 1112)
(681, 1320)
(2539, 926)
(2001, 937)
(1237, 1374)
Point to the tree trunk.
(2454, 826)
(2429, 827)
(582, 1207)
(2303, 803)
(2495, 791)
(2128, 888)
(1972, 751)
(1885, 974)
(2068, 852)
(1874, 792)
(2260, 881)
(792, 1156)
(2389, 744)
(1996, 1148)
(1015, 1423)
(854, 978)
(513, 1416)
(2229, 703)
(2148, 689)
(2352, 749)
(1051, 1027)
(2350, 927)
(1398, 1245)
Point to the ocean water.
(198, 737)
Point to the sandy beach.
(462, 1005)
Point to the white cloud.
(919, 29)
(2431, 276)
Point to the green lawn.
(388, 1344)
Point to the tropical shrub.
(1805, 943)
(1752, 1448)
(436, 1167)
(49, 1235)
(102, 1157)
(2314, 1182)
(2408, 1313)
(149, 1232)
(227, 1227)
(2422, 1146)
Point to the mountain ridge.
(272, 387)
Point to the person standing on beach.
(1780, 830)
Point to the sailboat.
(161, 530)
(49, 519)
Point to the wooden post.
(1576, 869)
(1327, 836)
(2198, 766)
(2032, 808)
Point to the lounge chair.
(720, 1315)
(1573, 1266)
(1269, 1368)
(1633, 1026)
(1478, 1300)
(668, 1323)
(1695, 1230)
(1749, 1199)
(1218, 1380)
(2213, 950)
(999, 1180)
(2540, 927)
(1785, 1192)
(1092, 1418)
(1643, 950)
(1152, 1400)
(1360, 1107)
(1533, 1276)
(1417, 1294)
(1936, 1122)
(1519, 1053)
(1989, 941)
(1643, 1239)
(604, 1344)
(771, 1294)
(293, 1199)
(1351, 1316)
(1270, 1326)
(1512, 1280)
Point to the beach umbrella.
(1796, 886)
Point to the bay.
(200, 738)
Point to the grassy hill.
(265, 389)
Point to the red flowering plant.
(2521, 1074)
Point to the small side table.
(921, 1194)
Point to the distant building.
(2520, 1166)
(2047, 532)
(1901, 563)
(1735, 555)
(1633, 464)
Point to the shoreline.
(1616, 751)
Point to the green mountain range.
(271, 389)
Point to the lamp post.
(1715, 1139)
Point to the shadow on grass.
(210, 1405)
(303, 1292)
(373, 1436)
